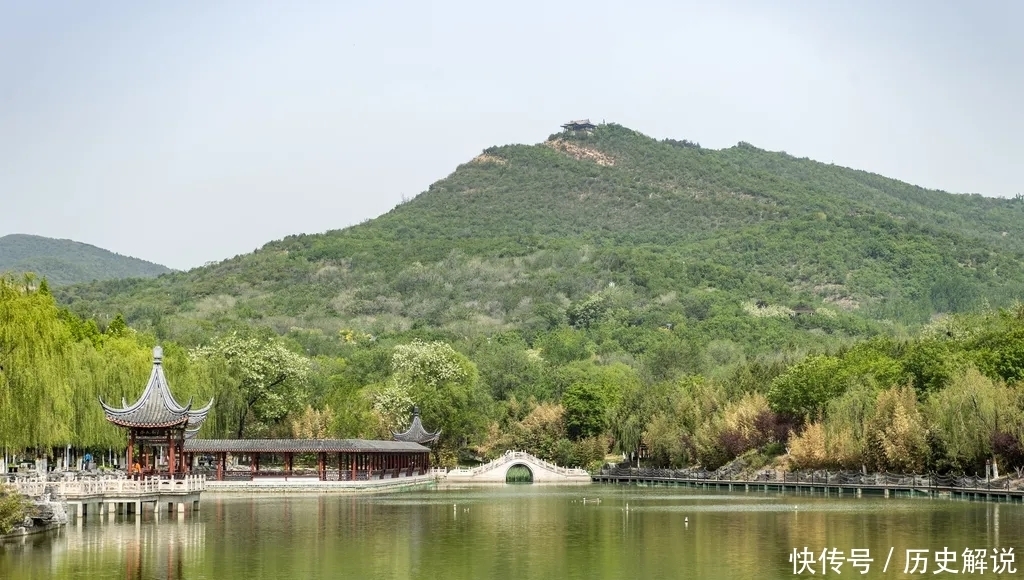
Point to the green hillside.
(589, 294)
(661, 233)
(64, 262)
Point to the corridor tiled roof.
(301, 446)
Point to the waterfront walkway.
(281, 483)
(823, 482)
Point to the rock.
(48, 512)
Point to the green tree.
(564, 345)
(806, 387)
(36, 361)
(271, 378)
(964, 417)
(584, 411)
(445, 385)
(117, 327)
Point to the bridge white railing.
(510, 456)
(78, 488)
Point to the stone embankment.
(306, 485)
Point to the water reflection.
(111, 547)
(507, 532)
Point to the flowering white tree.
(271, 377)
(427, 363)
(444, 384)
(391, 403)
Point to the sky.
(189, 132)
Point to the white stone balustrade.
(119, 493)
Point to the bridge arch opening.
(519, 473)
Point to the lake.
(529, 531)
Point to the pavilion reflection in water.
(142, 549)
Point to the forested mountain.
(593, 293)
(64, 262)
(717, 244)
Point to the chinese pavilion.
(416, 433)
(157, 423)
(580, 126)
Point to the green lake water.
(522, 532)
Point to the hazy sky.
(197, 131)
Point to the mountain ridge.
(65, 261)
(523, 230)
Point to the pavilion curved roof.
(156, 407)
(416, 433)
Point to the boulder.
(49, 513)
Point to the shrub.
(13, 508)
(897, 436)
(807, 450)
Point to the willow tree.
(966, 415)
(54, 366)
(36, 363)
(119, 370)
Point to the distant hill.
(613, 227)
(64, 262)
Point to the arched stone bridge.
(496, 470)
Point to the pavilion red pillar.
(321, 467)
(341, 467)
(170, 454)
(131, 451)
(288, 463)
(352, 458)
(220, 466)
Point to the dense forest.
(686, 234)
(595, 293)
(64, 262)
(946, 399)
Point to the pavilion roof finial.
(158, 354)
